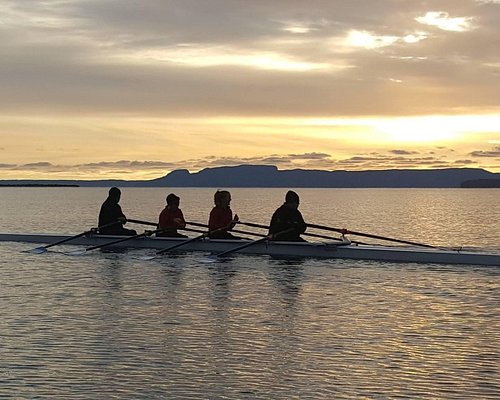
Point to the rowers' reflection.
(287, 275)
(112, 278)
(172, 273)
(221, 274)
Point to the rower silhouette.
(221, 219)
(288, 220)
(171, 218)
(112, 212)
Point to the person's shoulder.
(106, 204)
(282, 208)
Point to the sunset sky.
(93, 89)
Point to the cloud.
(7, 166)
(482, 153)
(465, 162)
(309, 156)
(488, 1)
(140, 74)
(140, 165)
(443, 21)
(127, 169)
(42, 164)
(191, 57)
(403, 152)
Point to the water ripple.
(108, 326)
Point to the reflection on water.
(106, 325)
(288, 276)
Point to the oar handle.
(368, 235)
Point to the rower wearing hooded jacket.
(221, 219)
(171, 218)
(288, 219)
(112, 212)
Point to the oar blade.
(145, 258)
(210, 259)
(37, 250)
(76, 253)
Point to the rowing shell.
(281, 249)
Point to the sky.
(97, 89)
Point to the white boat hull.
(280, 249)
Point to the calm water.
(109, 326)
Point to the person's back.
(287, 223)
(112, 212)
(171, 218)
(221, 219)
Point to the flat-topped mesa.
(235, 176)
(268, 176)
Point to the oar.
(244, 246)
(137, 221)
(81, 252)
(305, 233)
(368, 235)
(197, 224)
(43, 249)
(175, 246)
(232, 230)
(192, 230)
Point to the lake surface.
(106, 325)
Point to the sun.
(418, 130)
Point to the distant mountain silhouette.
(270, 176)
(481, 183)
(36, 185)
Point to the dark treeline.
(35, 185)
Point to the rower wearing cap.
(111, 212)
(288, 219)
(171, 218)
(221, 219)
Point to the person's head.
(173, 201)
(115, 194)
(292, 199)
(222, 198)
